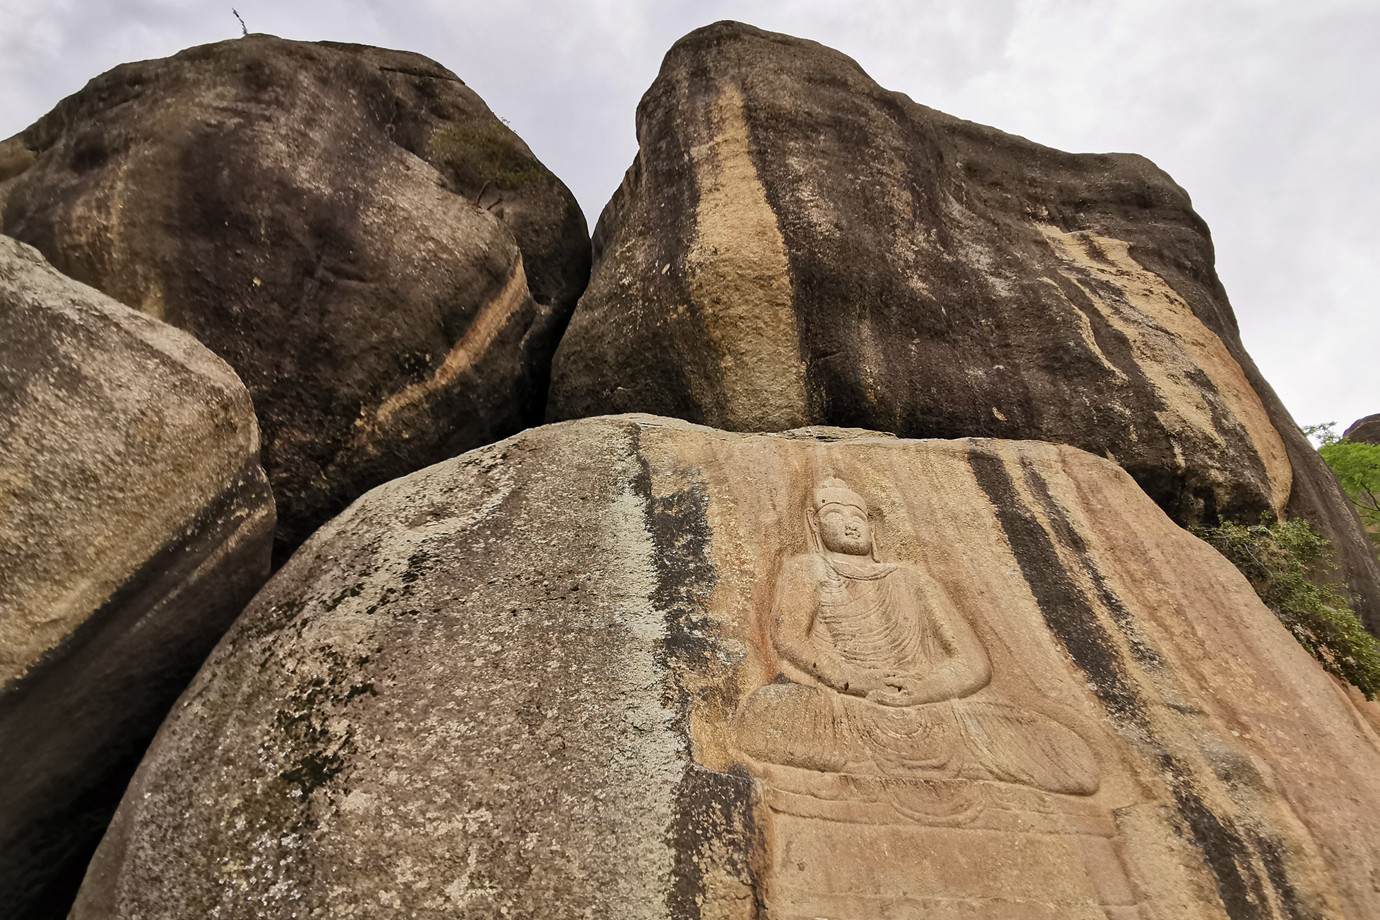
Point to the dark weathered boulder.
(796, 245)
(135, 524)
(382, 261)
(1366, 430)
(574, 674)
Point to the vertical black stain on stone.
(679, 527)
(1239, 504)
(1224, 852)
(1063, 605)
(1130, 426)
(1116, 348)
(1227, 852)
(1188, 494)
(1272, 855)
(1141, 650)
(714, 812)
(715, 831)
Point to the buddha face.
(844, 529)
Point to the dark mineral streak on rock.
(1244, 862)
(685, 576)
(713, 810)
(717, 839)
(1145, 654)
(1272, 855)
(1063, 605)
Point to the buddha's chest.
(870, 623)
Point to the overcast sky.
(1266, 111)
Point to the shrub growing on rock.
(1357, 466)
(1281, 560)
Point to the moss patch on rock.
(488, 153)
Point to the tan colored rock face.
(630, 667)
(740, 282)
(135, 524)
(797, 245)
(1176, 352)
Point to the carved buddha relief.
(883, 679)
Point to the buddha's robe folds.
(871, 620)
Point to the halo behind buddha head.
(834, 491)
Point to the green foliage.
(1326, 433)
(1357, 466)
(1278, 558)
(488, 153)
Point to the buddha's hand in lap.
(891, 697)
(893, 690)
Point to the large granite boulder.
(1365, 430)
(135, 524)
(382, 261)
(796, 245)
(632, 667)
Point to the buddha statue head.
(839, 521)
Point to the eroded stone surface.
(631, 667)
(135, 523)
(384, 263)
(796, 245)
